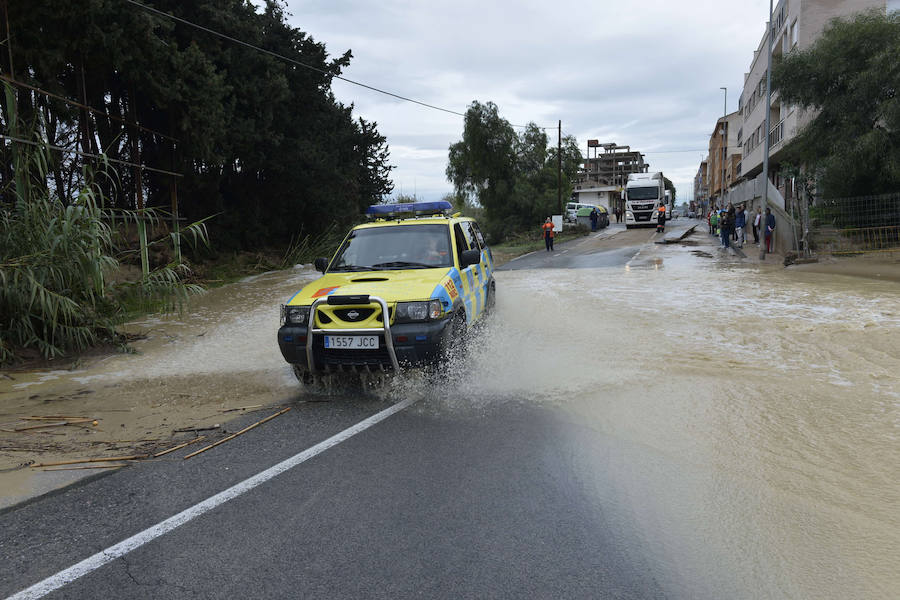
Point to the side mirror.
(321, 264)
(470, 257)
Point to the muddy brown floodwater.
(741, 424)
(192, 370)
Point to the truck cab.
(644, 193)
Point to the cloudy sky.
(644, 74)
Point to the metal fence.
(855, 225)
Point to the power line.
(298, 63)
(88, 155)
(84, 106)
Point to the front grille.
(341, 357)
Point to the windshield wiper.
(402, 264)
(351, 268)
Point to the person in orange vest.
(661, 218)
(548, 233)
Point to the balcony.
(776, 135)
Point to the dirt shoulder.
(880, 265)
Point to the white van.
(572, 209)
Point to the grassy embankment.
(524, 243)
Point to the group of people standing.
(729, 224)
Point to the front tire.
(453, 343)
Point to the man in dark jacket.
(727, 224)
(770, 229)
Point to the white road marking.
(523, 256)
(92, 563)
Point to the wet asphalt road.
(612, 246)
(428, 504)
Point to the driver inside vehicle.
(432, 253)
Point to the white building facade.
(795, 24)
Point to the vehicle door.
(483, 272)
(465, 240)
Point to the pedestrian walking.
(770, 229)
(740, 222)
(756, 223)
(548, 233)
(594, 217)
(713, 222)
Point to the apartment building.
(795, 24)
(701, 189)
(724, 160)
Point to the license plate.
(352, 342)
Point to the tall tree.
(259, 139)
(483, 163)
(850, 77)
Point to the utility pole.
(724, 141)
(765, 197)
(559, 168)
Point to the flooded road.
(737, 425)
(744, 423)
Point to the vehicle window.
(478, 235)
(396, 247)
(461, 243)
(643, 193)
(470, 234)
(570, 206)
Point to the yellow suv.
(432, 274)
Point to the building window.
(795, 33)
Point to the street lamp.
(765, 196)
(724, 140)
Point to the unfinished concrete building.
(604, 174)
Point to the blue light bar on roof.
(409, 208)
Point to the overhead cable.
(298, 63)
(88, 155)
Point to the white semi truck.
(644, 193)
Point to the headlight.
(419, 311)
(628, 214)
(294, 315)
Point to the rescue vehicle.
(429, 272)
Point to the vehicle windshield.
(395, 247)
(643, 193)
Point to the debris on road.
(180, 446)
(69, 421)
(92, 460)
(225, 410)
(234, 435)
(87, 467)
(189, 429)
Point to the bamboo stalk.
(57, 424)
(87, 467)
(241, 408)
(186, 429)
(234, 435)
(52, 418)
(179, 446)
(90, 460)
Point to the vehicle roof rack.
(409, 209)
